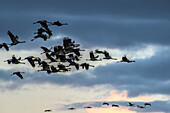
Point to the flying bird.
(107, 56)
(48, 110)
(71, 108)
(147, 104)
(43, 23)
(92, 57)
(14, 60)
(14, 39)
(105, 103)
(86, 66)
(125, 59)
(140, 106)
(115, 105)
(88, 107)
(130, 104)
(58, 23)
(18, 73)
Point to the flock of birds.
(107, 104)
(68, 53)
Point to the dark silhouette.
(30, 60)
(71, 108)
(105, 103)
(140, 106)
(43, 36)
(14, 60)
(43, 23)
(86, 66)
(124, 59)
(58, 23)
(41, 31)
(18, 73)
(93, 58)
(130, 104)
(14, 39)
(100, 52)
(5, 46)
(48, 110)
(147, 104)
(107, 56)
(88, 107)
(115, 105)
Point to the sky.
(138, 29)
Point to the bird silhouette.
(14, 60)
(43, 23)
(130, 104)
(71, 108)
(140, 106)
(105, 103)
(43, 36)
(145, 104)
(115, 105)
(58, 23)
(86, 66)
(107, 56)
(124, 59)
(88, 107)
(92, 57)
(18, 73)
(48, 110)
(14, 39)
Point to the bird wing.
(31, 62)
(13, 38)
(19, 75)
(5, 46)
(45, 49)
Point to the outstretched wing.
(13, 38)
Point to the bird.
(14, 60)
(140, 106)
(43, 36)
(71, 108)
(105, 103)
(47, 110)
(88, 107)
(115, 105)
(130, 104)
(30, 60)
(99, 52)
(58, 23)
(86, 66)
(5, 46)
(147, 104)
(43, 23)
(18, 73)
(92, 57)
(14, 39)
(124, 59)
(107, 56)
(46, 50)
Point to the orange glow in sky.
(123, 96)
(116, 96)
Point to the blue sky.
(139, 29)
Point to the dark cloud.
(117, 23)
